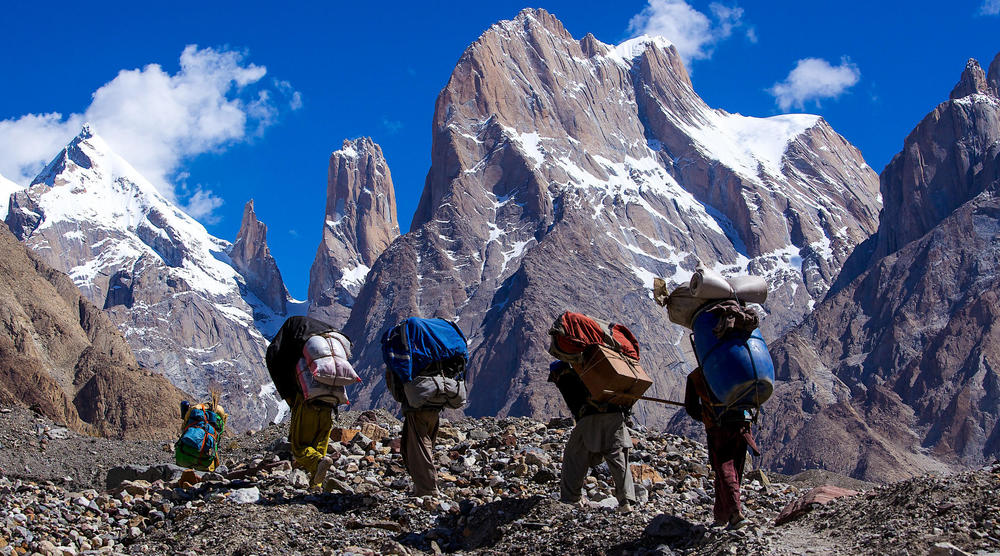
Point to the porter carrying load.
(605, 355)
(726, 341)
(201, 433)
(425, 363)
(318, 354)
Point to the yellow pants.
(309, 433)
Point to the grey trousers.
(596, 437)
(420, 428)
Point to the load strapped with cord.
(425, 363)
(201, 434)
(311, 357)
(725, 335)
(605, 356)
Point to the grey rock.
(249, 495)
(252, 258)
(165, 472)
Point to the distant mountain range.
(565, 175)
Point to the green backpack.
(198, 446)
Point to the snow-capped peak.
(629, 50)
(89, 184)
(171, 286)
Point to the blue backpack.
(425, 361)
(737, 367)
(416, 344)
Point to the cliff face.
(168, 285)
(896, 372)
(567, 173)
(62, 355)
(360, 223)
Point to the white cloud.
(813, 79)
(990, 7)
(158, 121)
(693, 33)
(201, 205)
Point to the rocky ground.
(61, 493)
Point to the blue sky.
(342, 70)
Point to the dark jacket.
(575, 393)
(702, 406)
(286, 350)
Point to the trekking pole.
(647, 398)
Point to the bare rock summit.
(360, 223)
(253, 260)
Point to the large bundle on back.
(604, 355)
(725, 335)
(201, 433)
(425, 363)
(311, 357)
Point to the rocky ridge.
(360, 223)
(566, 174)
(896, 372)
(168, 285)
(499, 478)
(64, 357)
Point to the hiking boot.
(737, 522)
(321, 469)
(425, 493)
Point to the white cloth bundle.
(326, 356)
(318, 392)
(709, 284)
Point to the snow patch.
(354, 276)
(626, 52)
(7, 188)
(746, 144)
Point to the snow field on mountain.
(7, 188)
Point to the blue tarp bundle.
(416, 343)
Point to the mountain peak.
(360, 223)
(352, 147)
(252, 258)
(973, 81)
(86, 131)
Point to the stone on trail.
(815, 497)
(343, 435)
(670, 527)
(244, 495)
(642, 473)
(946, 549)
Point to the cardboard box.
(604, 369)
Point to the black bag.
(286, 350)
